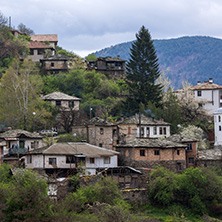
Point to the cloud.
(85, 25)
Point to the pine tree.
(143, 71)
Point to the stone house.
(113, 67)
(63, 101)
(39, 50)
(67, 157)
(57, 63)
(148, 153)
(52, 39)
(191, 149)
(97, 131)
(207, 93)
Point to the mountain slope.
(191, 59)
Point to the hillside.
(186, 58)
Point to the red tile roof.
(43, 38)
(39, 45)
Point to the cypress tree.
(142, 72)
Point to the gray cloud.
(86, 25)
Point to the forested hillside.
(186, 58)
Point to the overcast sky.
(89, 25)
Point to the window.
(164, 130)
(199, 93)
(129, 130)
(154, 130)
(156, 152)
(29, 159)
(106, 160)
(161, 130)
(142, 152)
(191, 160)
(31, 52)
(178, 166)
(91, 160)
(189, 146)
(100, 145)
(219, 118)
(52, 64)
(147, 130)
(219, 128)
(142, 131)
(52, 161)
(71, 104)
(58, 103)
(101, 131)
(178, 152)
(70, 159)
(22, 144)
(32, 145)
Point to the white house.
(20, 141)
(208, 93)
(218, 127)
(67, 156)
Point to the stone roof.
(59, 96)
(152, 143)
(75, 149)
(58, 57)
(210, 154)
(44, 38)
(178, 138)
(110, 59)
(17, 133)
(206, 85)
(39, 45)
(144, 121)
(99, 122)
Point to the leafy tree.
(91, 57)
(20, 93)
(143, 71)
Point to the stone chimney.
(198, 82)
(210, 80)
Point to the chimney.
(118, 57)
(198, 82)
(210, 80)
(205, 81)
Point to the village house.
(2, 145)
(39, 50)
(207, 93)
(191, 149)
(51, 39)
(17, 143)
(67, 157)
(97, 131)
(112, 67)
(57, 63)
(149, 153)
(63, 101)
(218, 127)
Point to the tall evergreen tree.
(142, 72)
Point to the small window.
(31, 52)
(189, 146)
(70, 159)
(199, 93)
(154, 130)
(156, 152)
(147, 131)
(178, 152)
(58, 103)
(52, 64)
(142, 131)
(191, 160)
(52, 161)
(101, 131)
(91, 160)
(129, 130)
(142, 152)
(219, 128)
(29, 159)
(106, 160)
(164, 130)
(22, 144)
(71, 104)
(161, 131)
(100, 145)
(32, 145)
(219, 118)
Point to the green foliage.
(143, 71)
(65, 52)
(91, 57)
(69, 138)
(195, 189)
(5, 173)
